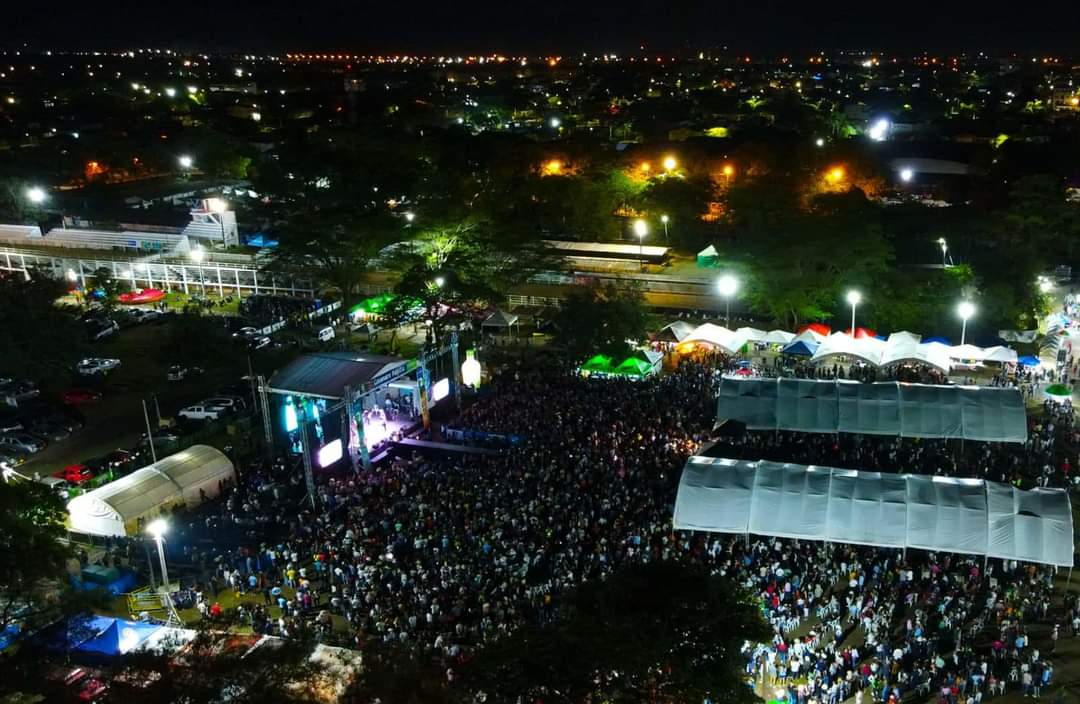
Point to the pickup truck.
(201, 412)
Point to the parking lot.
(116, 420)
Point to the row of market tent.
(821, 344)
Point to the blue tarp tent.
(801, 348)
(74, 632)
(1029, 361)
(118, 638)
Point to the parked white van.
(325, 334)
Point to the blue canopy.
(1029, 361)
(118, 638)
(942, 340)
(74, 632)
(802, 348)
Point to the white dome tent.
(181, 479)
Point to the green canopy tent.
(634, 368)
(371, 306)
(600, 364)
(708, 258)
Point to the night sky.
(540, 26)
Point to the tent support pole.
(1068, 581)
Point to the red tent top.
(862, 332)
(819, 328)
(146, 295)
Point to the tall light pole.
(853, 298)
(157, 529)
(664, 219)
(219, 206)
(944, 251)
(965, 310)
(641, 229)
(728, 285)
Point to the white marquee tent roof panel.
(968, 516)
(883, 408)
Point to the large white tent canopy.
(882, 408)
(179, 479)
(968, 516)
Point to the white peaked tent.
(751, 334)
(968, 516)
(883, 408)
(675, 332)
(181, 479)
(717, 336)
(778, 337)
(1000, 354)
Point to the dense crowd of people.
(442, 556)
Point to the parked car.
(75, 474)
(73, 397)
(60, 486)
(19, 389)
(259, 342)
(246, 332)
(201, 412)
(97, 365)
(144, 315)
(99, 329)
(161, 436)
(24, 441)
(49, 428)
(324, 334)
(179, 373)
(12, 456)
(231, 404)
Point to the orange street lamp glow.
(670, 163)
(553, 167)
(729, 170)
(836, 174)
(645, 167)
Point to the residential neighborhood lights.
(185, 161)
(853, 298)
(727, 285)
(157, 530)
(36, 195)
(965, 310)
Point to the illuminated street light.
(669, 163)
(256, 116)
(879, 130)
(728, 171)
(192, 90)
(665, 219)
(906, 174)
(409, 216)
(171, 92)
(835, 174)
(944, 251)
(157, 530)
(186, 162)
(36, 195)
(219, 206)
(641, 229)
(439, 281)
(1045, 285)
(965, 310)
(853, 298)
(555, 123)
(727, 285)
(820, 141)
